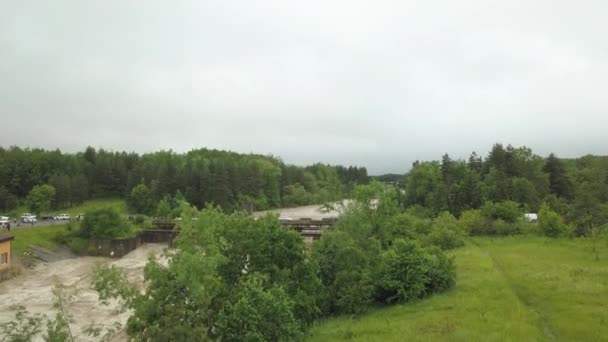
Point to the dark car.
(47, 217)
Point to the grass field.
(45, 237)
(118, 204)
(508, 289)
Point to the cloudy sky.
(373, 83)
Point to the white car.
(62, 217)
(28, 218)
(4, 221)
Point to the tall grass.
(508, 289)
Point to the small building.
(5, 252)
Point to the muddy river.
(33, 289)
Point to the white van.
(28, 218)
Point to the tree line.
(576, 189)
(199, 176)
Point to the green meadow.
(46, 237)
(521, 288)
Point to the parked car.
(28, 218)
(62, 217)
(47, 217)
(80, 217)
(4, 221)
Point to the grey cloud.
(377, 83)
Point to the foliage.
(473, 222)
(139, 219)
(258, 313)
(163, 209)
(408, 271)
(494, 275)
(40, 198)
(344, 271)
(507, 211)
(104, 223)
(140, 200)
(446, 232)
(8, 201)
(200, 176)
(216, 270)
(550, 222)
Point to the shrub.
(505, 228)
(163, 209)
(256, 313)
(473, 223)
(404, 226)
(344, 272)
(139, 219)
(446, 233)
(507, 211)
(441, 273)
(550, 222)
(408, 271)
(104, 223)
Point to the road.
(40, 223)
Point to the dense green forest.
(577, 189)
(200, 177)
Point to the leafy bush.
(501, 227)
(507, 211)
(258, 313)
(139, 219)
(104, 223)
(404, 226)
(163, 209)
(441, 271)
(343, 270)
(408, 271)
(550, 222)
(474, 223)
(446, 232)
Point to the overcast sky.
(373, 83)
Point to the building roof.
(4, 238)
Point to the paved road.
(40, 223)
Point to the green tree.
(559, 182)
(507, 211)
(408, 271)
(79, 188)
(40, 198)
(295, 195)
(258, 312)
(63, 196)
(140, 200)
(423, 186)
(345, 273)
(550, 222)
(446, 232)
(163, 209)
(8, 201)
(104, 223)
